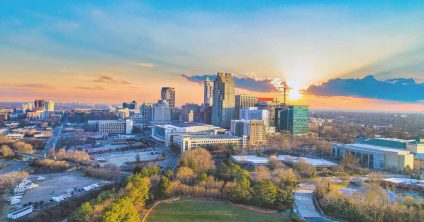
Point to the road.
(13, 165)
(53, 139)
(170, 161)
(303, 198)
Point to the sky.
(339, 55)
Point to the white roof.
(256, 160)
(250, 159)
(313, 162)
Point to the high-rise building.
(39, 105)
(146, 111)
(243, 101)
(254, 130)
(190, 113)
(208, 93)
(122, 113)
(207, 114)
(161, 112)
(293, 119)
(26, 107)
(49, 106)
(223, 109)
(270, 106)
(253, 113)
(168, 94)
(132, 105)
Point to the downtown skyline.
(109, 52)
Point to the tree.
(407, 170)
(284, 199)
(349, 161)
(304, 169)
(9, 180)
(240, 191)
(285, 178)
(139, 191)
(262, 173)
(23, 147)
(274, 163)
(264, 193)
(82, 214)
(6, 152)
(175, 148)
(5, 140)
(185, 174)
(146, 171)
(122, 210)
(163, 187)
(199, 160)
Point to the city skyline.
(106, 52)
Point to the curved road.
(304, 201)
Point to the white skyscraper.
(208, 93)
(161, 112)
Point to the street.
(53, 139)
(305, 203)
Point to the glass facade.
(293, 118)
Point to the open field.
(205, 210)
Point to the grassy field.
(204, 210)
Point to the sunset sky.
(344, 55)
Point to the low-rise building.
(113, 126)
(166, 132)
(188, 142)
(384, 153)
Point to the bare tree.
(23, 147)
(9, 180)
(199, 160)
(262, 173)
(6, 152)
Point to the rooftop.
(377, 148)
(386, 142)
(256, 160)
(188, 124)
(217, 136)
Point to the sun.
(294, 94)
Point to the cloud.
(90, 88)
(242, 82)
(399, 89)
(142, 64)
(34, 86)
(110, 80)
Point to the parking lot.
(120, 158)
(56, 184)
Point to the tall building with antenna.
(208, 92)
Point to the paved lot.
(120, 158)
(13, 165)
(59, 183)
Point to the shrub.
(48, 165)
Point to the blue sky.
(153, 43)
